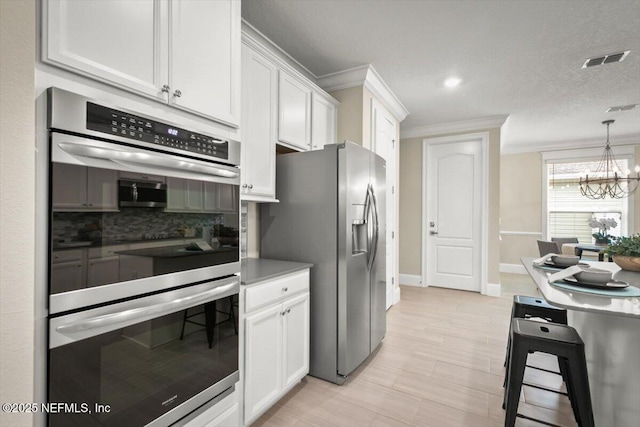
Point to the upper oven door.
(103, 250)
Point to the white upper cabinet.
(294, 112)
(184, 52)
(259, 121)
(323, 123)
(78, 188)
(204, 61)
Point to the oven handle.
(143, 312)
(133, 156)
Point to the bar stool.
(563, 341)
(210, 310)
(527, 307)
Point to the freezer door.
(354, 241)
(378, 267)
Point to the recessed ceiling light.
(452, 82)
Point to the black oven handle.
(131, 157)
(143, 313)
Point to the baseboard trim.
(493, 290)
(513, 268)
(396, 296)
(410, 280)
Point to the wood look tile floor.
(440, 365)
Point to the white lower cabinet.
(276, 341)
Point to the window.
(568, 211)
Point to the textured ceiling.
(521, 58)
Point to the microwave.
(142, 194)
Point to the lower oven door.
(150, 360)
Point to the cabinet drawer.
(65, 256)
(268, 292)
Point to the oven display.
(115, 122)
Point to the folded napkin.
(563, 274)
(543, 259)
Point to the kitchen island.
(610, 329)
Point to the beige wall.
(411, 204)
(17, 205)
(350, 114)
(520, 205)
(410, 200)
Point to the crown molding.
(568, 145)
(258, 41)
(454, 127)
(366, 76)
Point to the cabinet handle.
(244, 185)
(250, 186)
(84, 204)
(177, 93)
(285, 289)
(165, 88)
(288, 310)
(90, 204)
(283, 313)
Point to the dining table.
(609, 325)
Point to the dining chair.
(546, 247)
(563, 240)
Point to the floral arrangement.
(603, 225)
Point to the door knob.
(165, 88)
(177, 93)
(433, 232)
(250, 186)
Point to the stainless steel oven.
(144, 260)
(145, 361)
(102, 248)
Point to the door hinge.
(393, 280)
(393, 234)
(393, 143)
(393, 189)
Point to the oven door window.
(99, 237)
(133, 375)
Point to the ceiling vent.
(621, 108)
(606, 59)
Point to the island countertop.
(617, 306)
(259, 269)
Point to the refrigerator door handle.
(367, 210)
(376, 230)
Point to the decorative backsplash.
(132, 224)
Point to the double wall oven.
(143, 266)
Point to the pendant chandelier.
(609, 179)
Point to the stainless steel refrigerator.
(332, 214)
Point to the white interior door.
(454, 215)
(384, 134)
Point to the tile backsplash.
(132, 224)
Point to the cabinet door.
(70, 186)
(227, 198)
(120, 42)
(176, 194)
(296, 339)
(102, 271)
(323, 123)
(102, 189)
(195, 200)
(67, 276)
(294, 121)
(211, 197)
(134, 267)
(263, 360)
(205, 58)
(259, 118)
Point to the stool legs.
(580, 390)
(515, 376)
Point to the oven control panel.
(127, 125)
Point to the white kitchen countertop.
(616, 306)
(259, 269)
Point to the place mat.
(628, 292)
